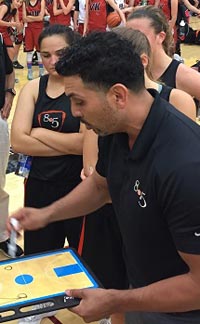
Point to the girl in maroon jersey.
(49, 10)
(62, 11)
(9, 18)
(33, 13)
(170, 9)
(96, 15)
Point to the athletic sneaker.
(34, 59)
(4, 249)
(36, 319)
(30, 75)
(17, 65)
(105, 321)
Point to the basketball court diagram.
(41, 278)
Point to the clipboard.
(42, 278)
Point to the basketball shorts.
(102, 248)
(39, 194)
(31, 39)
(7, 38)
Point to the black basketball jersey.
(55, 114)
(169, 75)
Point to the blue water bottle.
(23, 165)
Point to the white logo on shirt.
(142, 202)
(196, 234)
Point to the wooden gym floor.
(14, 184)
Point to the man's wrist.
(49, 212)
(118, 301)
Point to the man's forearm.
(176, 294)
(84, 199)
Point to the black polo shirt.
(5, 68)
(155, 189)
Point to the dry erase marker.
(12, 246)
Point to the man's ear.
(118, 95)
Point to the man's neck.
(137, 113)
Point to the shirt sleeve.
(180, 201)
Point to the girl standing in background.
(33, 13)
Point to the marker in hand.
(12, 246)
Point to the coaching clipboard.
(42, 278)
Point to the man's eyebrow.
(72, 94)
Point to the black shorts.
(39, 194)
(102, 248)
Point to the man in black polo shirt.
(149, 164)
(7, 93)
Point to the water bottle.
(182, 30)
(23, 165)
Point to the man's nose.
(76, 112)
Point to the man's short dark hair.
(103, 59)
